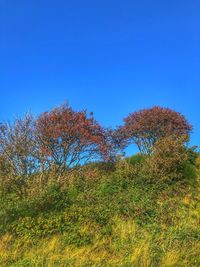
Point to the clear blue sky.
(112, 57)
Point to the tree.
(68, 138)
(147, 126)
(18, 153)
(115, 143)
(18, 147)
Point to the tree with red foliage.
(147, 126)
(116, 142)
(68, 138)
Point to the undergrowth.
(104, 218)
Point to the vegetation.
(147, 126)
(140, 211)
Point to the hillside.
(102, 216)
(70, 197)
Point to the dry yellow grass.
(128, 246)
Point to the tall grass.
(115, 219)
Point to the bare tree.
(18, 147)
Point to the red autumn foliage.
(68, 138)
(147, 126)
(116, 142)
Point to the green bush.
(54, 198)
(37, 227)
(167, 161)
(136, 159)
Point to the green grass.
(115, 218)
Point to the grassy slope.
(115, 219)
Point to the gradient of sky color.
(112, 57)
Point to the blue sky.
(111, 57)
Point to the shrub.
(168, 159)
(192, 154)
(190, 173)
(136, 159)
(197, 162)
(53, 198)
(35, 227)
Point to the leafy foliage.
(139, 211)
(147, 126)
(119, 220)
(168, 159)
(68, 138)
